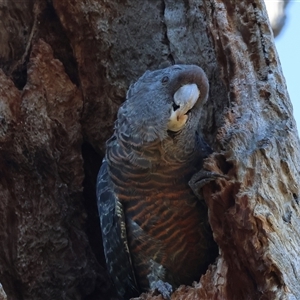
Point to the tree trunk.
(66, 66)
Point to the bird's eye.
(165, 79)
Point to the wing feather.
(113, 226)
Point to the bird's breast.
(166, 223)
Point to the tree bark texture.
(66, 66)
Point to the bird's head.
(163, 104)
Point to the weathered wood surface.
(66, 66)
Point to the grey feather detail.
(120, 214)
(158, 272)
(114, 236)
(155, 279)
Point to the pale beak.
(184, 100)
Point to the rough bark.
(66, 66)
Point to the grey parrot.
(155, 229)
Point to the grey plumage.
(154, 228)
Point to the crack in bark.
(18, 70)
(267, 60)
(166, 38)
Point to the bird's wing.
(114, 236)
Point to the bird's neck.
(140, 167)
(166, 152)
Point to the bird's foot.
(200, 179)
(164, 288)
